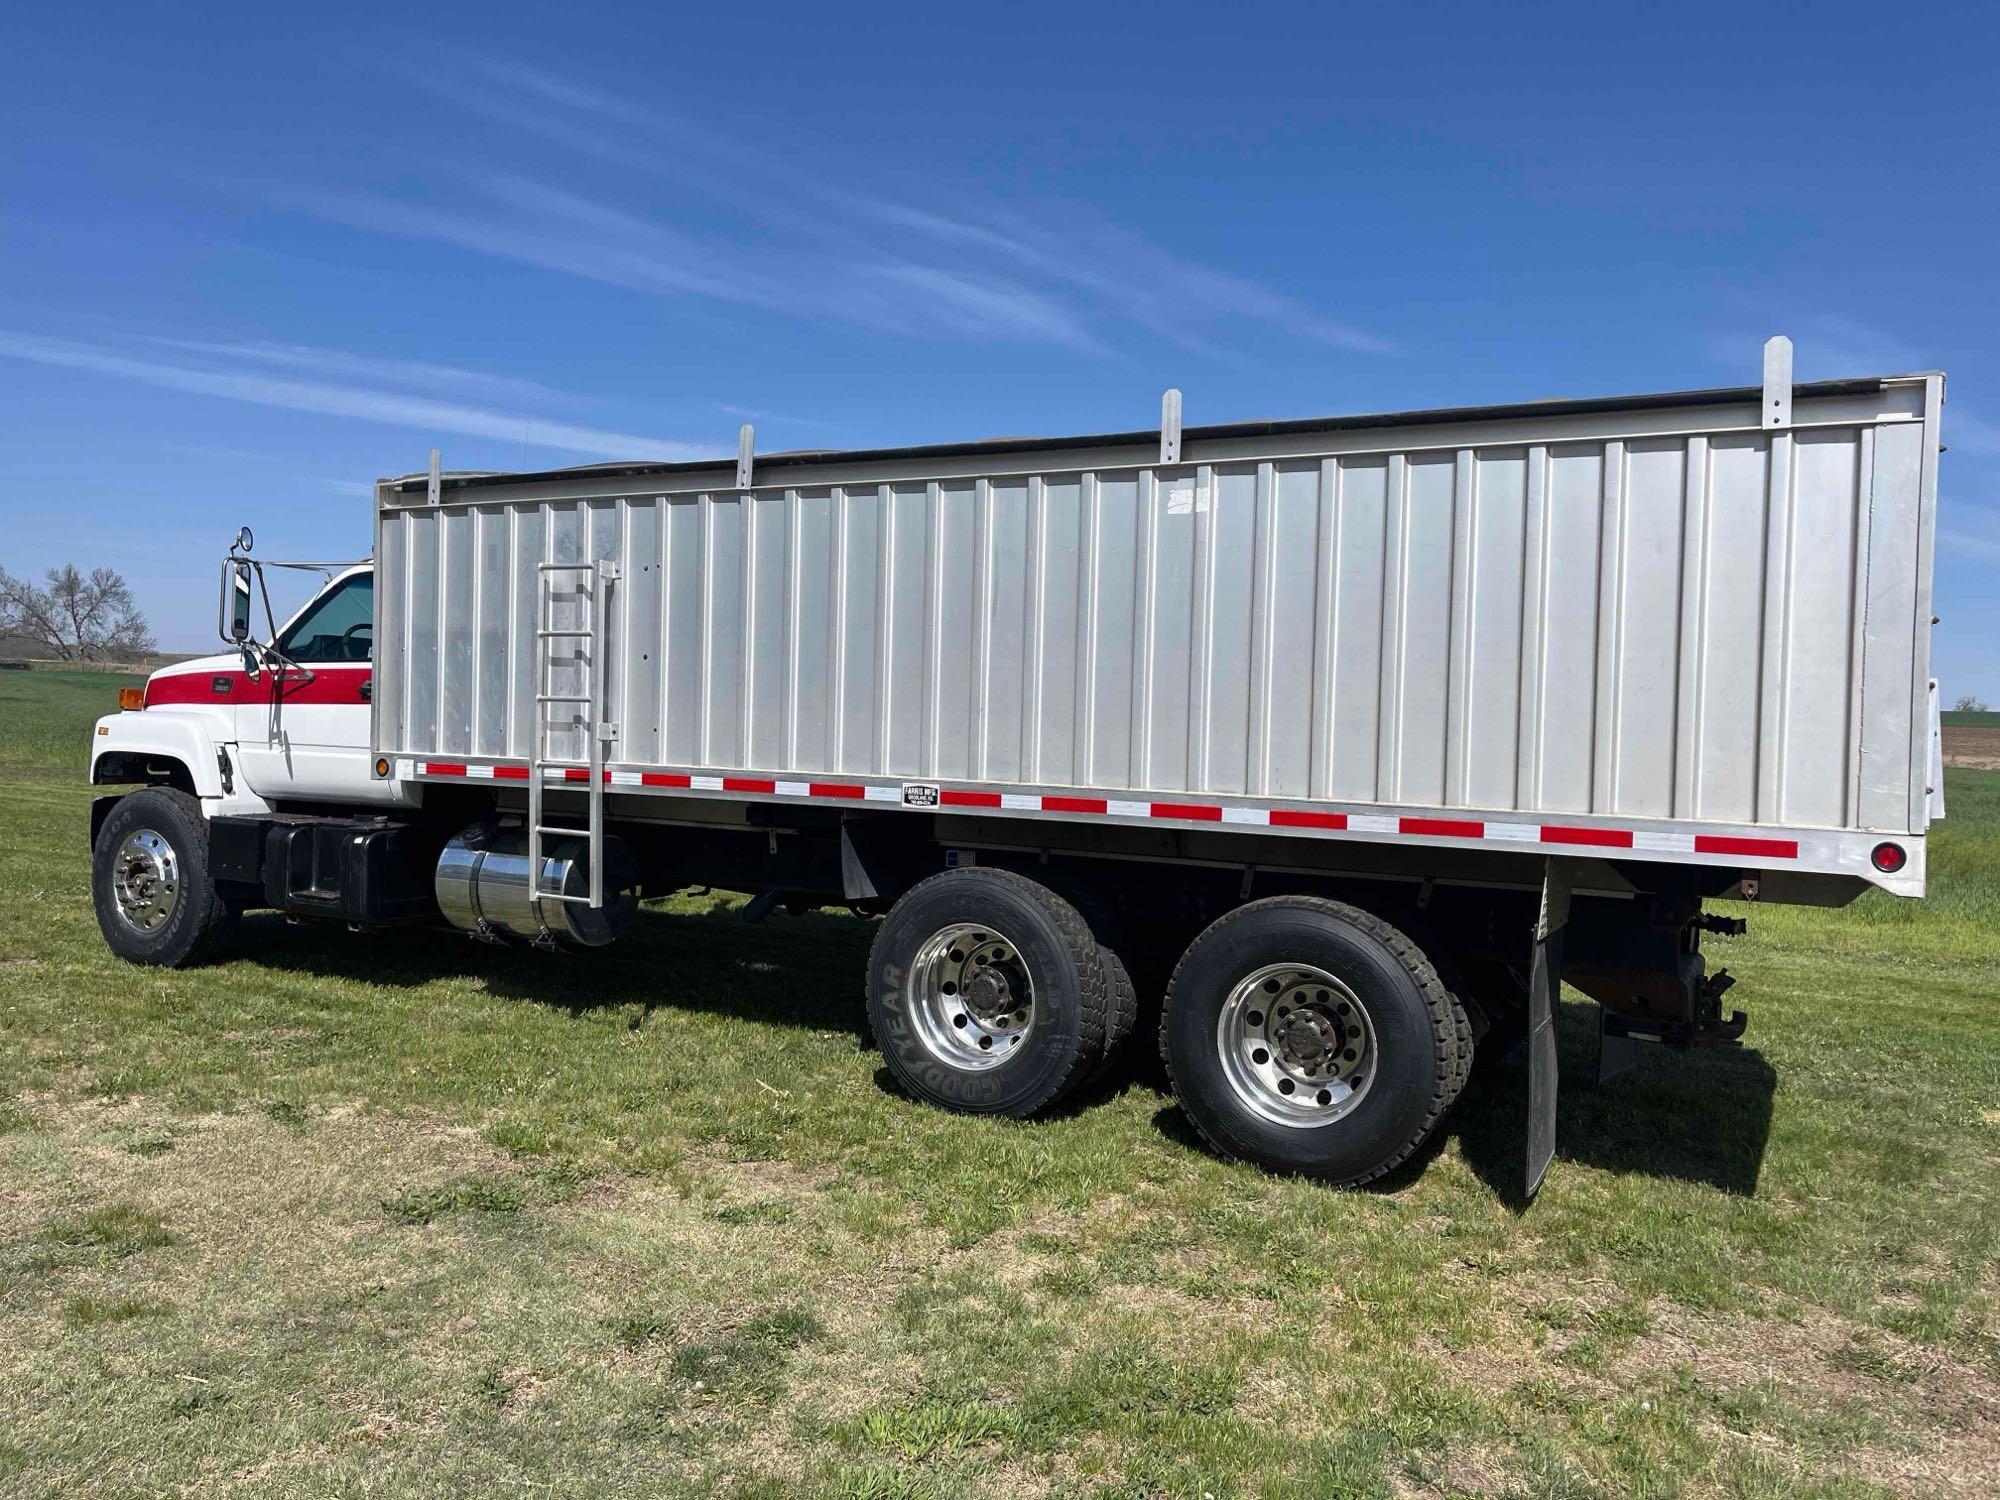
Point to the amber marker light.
(131, 699)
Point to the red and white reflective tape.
(474, 773)
(927, 796)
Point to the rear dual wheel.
(1300, 1034)
(987, 993)
(1309, 1036)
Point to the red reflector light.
(1889, 858)
(131, 698)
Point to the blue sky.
(250, 261)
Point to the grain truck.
(1329, 748)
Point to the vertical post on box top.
(1778, 381)
(435, 490)
(746, 443)
(1170, 427)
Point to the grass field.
(356, 1215)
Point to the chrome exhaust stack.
(484, 887)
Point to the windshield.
(337, 626)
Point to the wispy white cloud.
(418, 373)
(422, 413)
(816, 244)
(1155, 288)
(516, 218)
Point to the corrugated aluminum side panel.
(1686, 617)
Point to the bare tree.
(78, 617)
(1969, 704)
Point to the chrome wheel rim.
(146, 881)
(969, 996)
(1297, 1045)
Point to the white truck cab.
(270, 724)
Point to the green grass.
(407, 1215)
(1963, 718)
(45, 719)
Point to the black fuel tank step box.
(373, 871)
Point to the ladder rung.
(589, 585)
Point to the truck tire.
(150, 884)
(1308, 1036)
(1121, 1012)
(986, 993)
(1465, 1030)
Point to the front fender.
(140, 747)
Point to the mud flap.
(1544, 994)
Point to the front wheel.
(1308, 1036)
(150, 884)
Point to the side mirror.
(236, 600)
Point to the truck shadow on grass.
(804, 971)
(1701, 1117)
(1693, 1117)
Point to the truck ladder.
(595, 580)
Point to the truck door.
(303, 730)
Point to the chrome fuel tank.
(483, 886)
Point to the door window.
(338, 626)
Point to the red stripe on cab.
(328, 685)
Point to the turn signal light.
(381, 768)
(131, 698)
(1889, 858)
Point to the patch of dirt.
(520, 1386)
(1467, 1469)
(1953, 1442)
(1975, 746)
